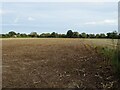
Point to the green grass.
(110, 49)
(113, 55)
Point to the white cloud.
(90, 23)
(110, 21)
(103, 22)
(31, 19)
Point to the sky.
(43, 17)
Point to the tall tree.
(11, 33)
(69, 33)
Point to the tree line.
(69, 34)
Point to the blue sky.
(89, 17)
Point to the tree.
(11, 33)
(62, 35)
(18, 34)
(23, 35)
(75, 35)
(3, 35)
(69, 33)
(109, 35)
(83, 35)
(87, 35)
(91, 35)
(118, 36)
(112, 35)
(33, 34)
(97, 35)
(0, 35)
(102, 35)
(45, 35)
(53, 34)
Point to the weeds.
(111, 54)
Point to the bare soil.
(55, 63)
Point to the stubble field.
(55, 63)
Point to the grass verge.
(111, 54)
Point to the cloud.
(109, 21)
(103, 22)
(31, 19)
(90, 23)
(17, 19)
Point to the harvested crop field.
(55, 63)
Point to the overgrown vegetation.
(112, 54)
(69, 34)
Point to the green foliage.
(62, 35)
(91, 35)
(113, 35)
(69, 34)
(33, 34)
(97, 35)
(102, 35)
(45, 35)
(116, 60)
(22, 35)
(11, 34)
(83, 35)
(118, 36)
(53, 34)
(75, 35)
(113, 55)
